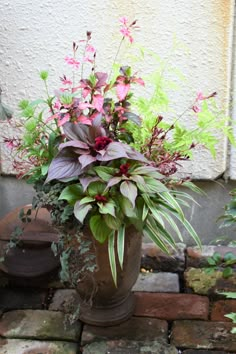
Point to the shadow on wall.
(14, 193)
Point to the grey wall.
(203, 218)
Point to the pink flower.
(90, 49)
(200, 97)
(123, 20)
(66, 81)
(88, 60)
(73, 62)
(126, 33)
(196, 109)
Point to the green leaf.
(193, 187)
(71, 193)
(126, 206)
(152, 233)
(154, 185)
(121, 244)
(228, 294)
(104, 172)
(44, 169)
(81, 211)
(99, 228)
(112, 223)
(96, 188)
(211, 261)
(190, 229)
(227, 272)
(173, 203)
(129, 190)
(172, 223)
(107, 208)
(217, 257)
(112, 257)
(86, 200)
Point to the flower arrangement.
(96, 161)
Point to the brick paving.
(178, 310)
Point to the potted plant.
(105, 175)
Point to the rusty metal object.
(110, 305)
(33, 256)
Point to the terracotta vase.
(32, 257)
(111, 305)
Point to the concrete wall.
(38, 35)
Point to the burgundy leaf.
(63, 167)
(74, 143)
(114, 151)
(86, 160)
(101, 80)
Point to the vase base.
(109, 316)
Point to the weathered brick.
(155, 259)
(157, 282)
(172, 306)
(21, 346)
(135, 329)
(199, 282)
(122, 346)
(13, 299)
(64, 300)
(37, 324)
(197, 258)
(193, 351)
(203, 335)
(221, 308)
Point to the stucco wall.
(38, 35)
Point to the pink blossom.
(73, 62)
(86, 59)
(196, 109)
(57, 104)
(200, 97)
(126, 33)
(123, 20)
(66, 81)
(90, 48)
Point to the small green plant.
(227, 262)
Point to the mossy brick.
(38, 324)
(122, 346)
(200, 282)
(203, 335)
(21, 346)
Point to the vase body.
(32, 258)
(111, 305)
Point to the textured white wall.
(37, 35)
